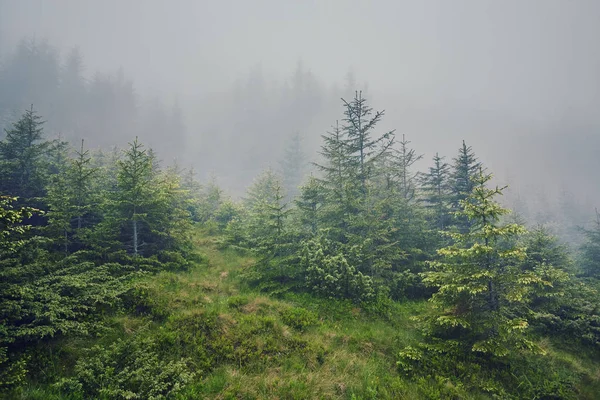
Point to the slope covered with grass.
(204, 333)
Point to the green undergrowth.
(204, 334)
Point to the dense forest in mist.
(254, 122)
(109, 287)
(188, 213)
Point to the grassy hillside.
(239, 343)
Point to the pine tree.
(436, 188)
(464, 169)
(479, 280)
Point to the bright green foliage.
(23, 168)
(590, 250)
(331, 270)
(127, 369)
(12, 369)
(10, 225)
(436, 192)
(480, 283)
(41, 298)
(569, 307)
(465, 168)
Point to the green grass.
(247, 345)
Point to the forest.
(356, 268)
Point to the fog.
(518, 80)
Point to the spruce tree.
(479, 280)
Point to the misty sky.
(491, 71)
(535, 58)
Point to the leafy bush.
(127, 369)
(143, 299)
(329, 273)
(444, 370)
(298, 318)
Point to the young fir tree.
(464, 169)
(266, 226)
(23, 165)
(73, 200)
(479, 280)
(293, 166)
(436, 188)
(136, 191)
